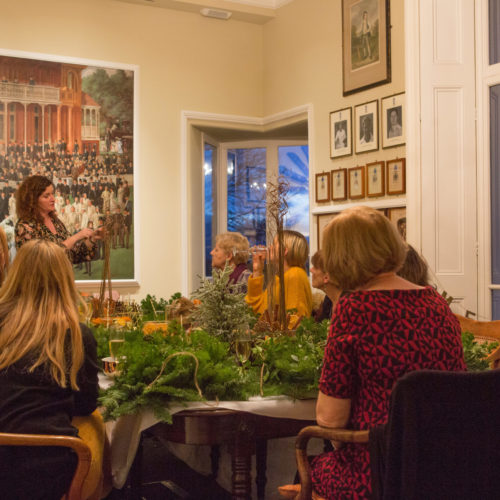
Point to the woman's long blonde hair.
(39, 314)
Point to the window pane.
(210, 161)
(494, 31)
(246, 193)
(294, 166)
(494, 183)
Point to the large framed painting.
(73, 120)
(366, 44)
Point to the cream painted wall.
(186, 62)
(303, 64)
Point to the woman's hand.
(259, 255)
(85, 233)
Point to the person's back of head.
(236, 244)
(38, 312)
(359, 244)
(414, 268)
(297, 249)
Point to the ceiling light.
(215, 13)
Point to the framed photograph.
(78, 113)
(366, 44)
(323, 220)
(356, 183)
(398, 216)
(339, 184)
(393, 114)
(323, 187)
(375, 179)
(366, 127)
(341, 133)
(396, 176)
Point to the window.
(236, 201)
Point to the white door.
(448, 148)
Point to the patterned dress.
(27, 230)
(376, 337)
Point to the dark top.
(27, 230)
(376, 337)
(33, 403)
(325, 311)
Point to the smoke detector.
(216, 14)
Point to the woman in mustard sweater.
(297, 288)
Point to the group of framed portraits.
(397, 215)
(365, 132)
(372, 180)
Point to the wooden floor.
(167, 478)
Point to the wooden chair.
(80, 448)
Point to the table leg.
(261, 466)
(214, 460)
(241, 462)
(136, 472)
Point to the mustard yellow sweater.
(297, 292)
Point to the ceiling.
(252, 11)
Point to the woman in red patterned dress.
(384, 328)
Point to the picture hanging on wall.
(397, 215)
(393, 114)
(366, 127)
(396, 176)
(339, 184)
(341, 133)
(356, 183)
(323, 220)
(73, 120)
(323, 187)
(366, 44)
(375, 179)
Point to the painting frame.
(356, 185)
(366, 44)
(339, 184)
(322, 185)
(44, 90)
(341, 133)
(322, 221)
(396, 176)
(375, 179)
(393, 112)
(366, 127)
(396, 216)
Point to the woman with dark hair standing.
(37, 219)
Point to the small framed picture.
(366, 127)
(356, 183)
(323, 187)
(341, 133)
(323, 221)
(396, 176)
(393, 114)
(398, 216)
(375, 179)
(339, 184)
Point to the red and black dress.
(375, 338)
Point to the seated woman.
(48, 370)
(320, 280)
(232, 249)
(297, 288)
(384, 328)
(35, 205)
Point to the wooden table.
(246, 433)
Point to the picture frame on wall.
(396, 176)
(397, 215)
(339, 184)
(393, 113)
(323, 220)
(366, 44)
(366, 126)
(375, 179)
(356, 183)
(341, 133)
(323, 187)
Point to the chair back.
(441, 439)
(80, 448)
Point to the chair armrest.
(315, 431)
(80, 448)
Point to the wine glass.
(243, 346)
(116, 342)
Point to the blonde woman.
(48, 369)
(232, 249)
(383, 328)
(298, 293)
(4, 255)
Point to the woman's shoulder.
(296, 271)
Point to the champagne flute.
(116, 342)
(243, 346)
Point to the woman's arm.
(86, 398)
(332, 412)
